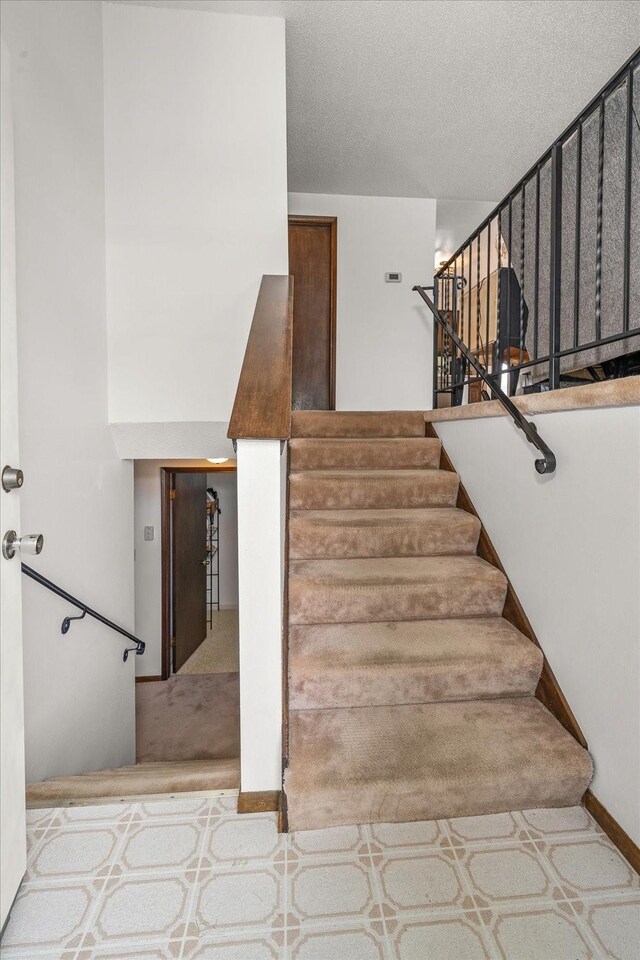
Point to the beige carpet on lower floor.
(218, 653)
(188, 718)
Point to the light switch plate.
(393, 277)
(149, 533)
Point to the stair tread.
(393, 645)
(382, 532)
(394, 588)
(357, 423)
(384, 516)
(414, 661)
(154, 777)
(364, 474)
(363, 571)
(317, 453)
(342, 489)
(427, 761)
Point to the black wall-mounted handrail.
(548, 462)
(66, 623)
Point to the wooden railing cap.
(262, 407)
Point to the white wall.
(384, 333)
(196, 205)
(455, 221)
(79, 695)
(261, 532)
(570, 543)
(148, 562)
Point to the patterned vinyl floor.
(188, 878)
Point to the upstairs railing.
(546, 291)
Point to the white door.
(12, 807)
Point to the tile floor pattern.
(188, 879)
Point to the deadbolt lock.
(12, 478)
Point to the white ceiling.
(435, 98)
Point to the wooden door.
(189, 514)
(312, 262)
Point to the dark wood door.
(312, 262)
(189, 513)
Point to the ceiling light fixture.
(217, 459)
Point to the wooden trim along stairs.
(627, 847)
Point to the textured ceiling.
(436, 98)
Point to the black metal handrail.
(66, 623)
(547, 464)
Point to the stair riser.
(435, 489)
(441, 538)
(427, 802)
(385, 454)
(327, 689)
(311, 602)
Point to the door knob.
(30, 545)
(12, 478)
(205, 563)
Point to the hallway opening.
(187, 694)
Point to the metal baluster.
(486, 342)
(536, 280)
(470, 247)
(496, 351)
(454, 349)
(627, 202)
(576, 267)
(508, 286)
(556, 260)
(522, 228)
(598, 317)
(478, 296)
(436, 377)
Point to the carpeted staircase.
(410, 697)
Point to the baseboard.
(629, 850)
(259, 801)
(148, 679)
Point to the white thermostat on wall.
(393, 277)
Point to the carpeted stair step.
(331, 423)
(365, 489)
(429, 761)
(140, 779)
(419, 661)
(399, 453)
(395, 588)
(418, 532)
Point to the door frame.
(304, 219)
(166, 551)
